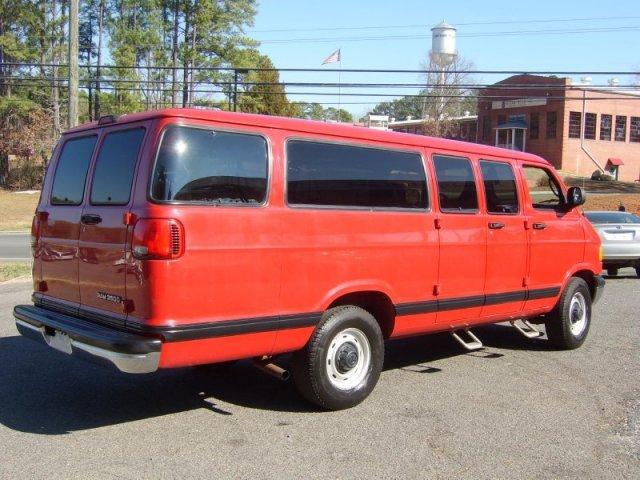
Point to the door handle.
(90, 219)
(539, 226)
(496, 225)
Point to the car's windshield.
(612, 217)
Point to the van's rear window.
(71, 172)
(207, 166)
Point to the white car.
(620, 235)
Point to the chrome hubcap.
(348, 359)
(578, 314)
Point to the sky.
(481, 39)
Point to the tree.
(315, 111)
(447, 93)
(402, 108)
(265, 93)
(332, 113)
(25, 133)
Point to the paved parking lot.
(514, 410)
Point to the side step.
(474, 344)
(528, 330)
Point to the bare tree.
(447, 93)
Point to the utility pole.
(73, 63)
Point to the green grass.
(14, 270)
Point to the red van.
(184, 237)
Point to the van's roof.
(313, 126)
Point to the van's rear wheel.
(342, 362)
(568, 324)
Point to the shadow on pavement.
(46, 392)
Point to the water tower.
(443, 45)
(443, 54)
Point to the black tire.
(566, 313)
(612, 271)
(312, 366)
(637, 270)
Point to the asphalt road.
(15, 247)
(514, 410)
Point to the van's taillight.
(36, 225)
(35, 234)
(157, 239)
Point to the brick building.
(578, 128)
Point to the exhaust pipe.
(272, 369)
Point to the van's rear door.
(103, 232)
(60, 210)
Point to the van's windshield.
(207, 166)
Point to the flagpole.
(339, 72)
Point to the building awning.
(616, 162)
(511, 124)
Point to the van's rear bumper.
(129, 352)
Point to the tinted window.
(499, 187)
(543, 188)
(71, 171)
(115, 165)
(456, 185)
(612, 217)
(198, 165)
(349, 176)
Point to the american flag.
(333, 58)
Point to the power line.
(462, 24)
(463, 86)
(197, 90)
(343, 70)
(462, 35)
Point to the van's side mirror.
(575, 197)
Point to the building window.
(486, 128)
(552, 124)
(502, 119)
(534, 126)
(605, 127)
(590, 120)
(575, 124)
(621, 128)
(634, 129)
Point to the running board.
(528, 330)
(474, 344)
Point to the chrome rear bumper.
(129, 353)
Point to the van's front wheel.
(568, 324)
(342, 362)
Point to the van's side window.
(500, 188)
(113, 174)
(71, 171)
(543, 188)
(207, 166)
(328, 174)
(456, 184)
